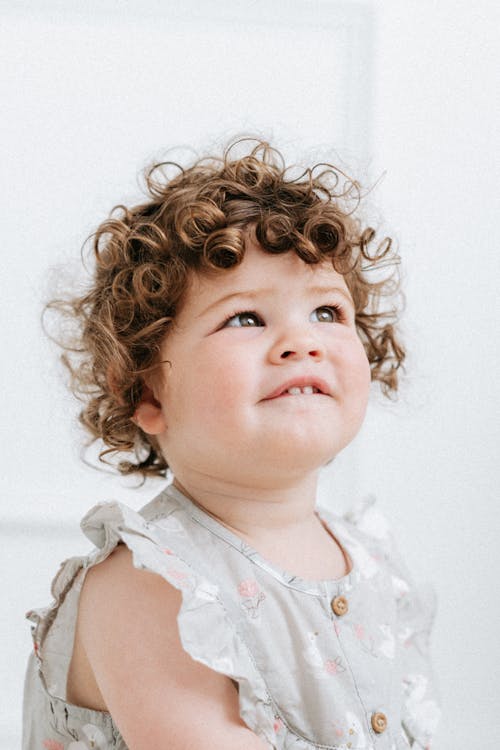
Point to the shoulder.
(115, 592)
(119, 608)
(128, 626)
(117, 576)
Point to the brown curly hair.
(196, 221)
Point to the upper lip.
(304, 380)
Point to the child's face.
(221, 409)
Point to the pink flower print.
(330, 666)
(278, 725)
(168, 551)
(336, 627)
(359, 632)
(364, 638)
(177, 574)
(52, 745)
(249, 587)
(409, 638)
(252, 597)
(180, 576)
(339, 732)
(334, 666)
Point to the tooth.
(307, 389)
(294, 391)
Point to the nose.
(296, 344)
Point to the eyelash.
(337, 309)
(239, 312)
(339, 312)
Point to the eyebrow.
(254, 295)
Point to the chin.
(301, 456)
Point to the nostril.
(312, 353)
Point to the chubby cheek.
(355, 377)
(213, 387)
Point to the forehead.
(260, 270)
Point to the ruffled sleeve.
(416, 608)
(206, 631)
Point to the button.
(379, 722)
(340, 605)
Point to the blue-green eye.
(243, 320)
(325, 314)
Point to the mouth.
(300, 387)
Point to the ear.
(149, 414)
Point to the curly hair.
(196, 221)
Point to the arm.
(157, 694)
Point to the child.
(230, 334)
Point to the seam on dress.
(318, 596)
(361, 702)
(272, 704)
(319, 746)
(282, 580)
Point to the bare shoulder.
(127, 625)
(118, 577)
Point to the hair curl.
(196, 221)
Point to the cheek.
(356, 374)
(365, 375)
(209, 384)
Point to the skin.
(250, 461)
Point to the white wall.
(91, 94)
(435, 129)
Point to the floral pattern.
(251, 597)
(293, 659)
(52, 745)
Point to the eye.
(326, 314)
(245, 319)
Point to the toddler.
(229, 335)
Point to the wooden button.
(379, 722)
(340, 605)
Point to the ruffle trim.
(206, 631)
(417, 606)
(207, 634)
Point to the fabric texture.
(307, 677)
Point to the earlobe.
(149, 414)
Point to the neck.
(255, 514)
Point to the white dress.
(341, 664)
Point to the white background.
(92, 93)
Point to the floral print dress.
(341, 664)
